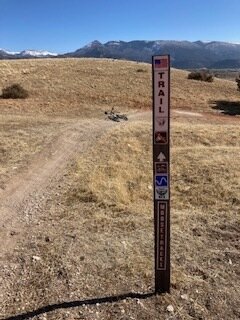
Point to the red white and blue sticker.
(161, 63)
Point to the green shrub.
(201, 76)
(15, 91)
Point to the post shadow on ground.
(79, 303)
(231, 108)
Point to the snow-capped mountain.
(27, 54)
(10, 52)
(36, 53)
(184, 54)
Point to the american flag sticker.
(161, 63)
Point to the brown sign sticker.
(161, 167)
(161, 137)
(162, 236)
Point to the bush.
(238, 82)
(141, 70)
(201, 75)
(15, 91)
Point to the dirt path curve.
(26, 192)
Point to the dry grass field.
(86, 87)
(76, 195)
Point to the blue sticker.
(161, 181)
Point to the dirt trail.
(26, 191)
(24, 212)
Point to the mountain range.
(184, 54)
(4, 54)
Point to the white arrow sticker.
(161, 157)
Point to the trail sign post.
(161, 167)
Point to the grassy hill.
(94, 233)
(89, 86)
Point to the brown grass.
(94, 235)
(121, 176)
(205, 202)
(87, 87)
(76, 86)
(20, 139)
(199, 96)
(100, 230)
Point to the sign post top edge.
(161, 56)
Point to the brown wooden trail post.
(161, 170)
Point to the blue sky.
(66, 25)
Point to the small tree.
(15, 91)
